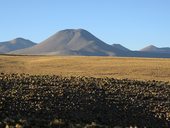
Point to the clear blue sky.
(132, 23)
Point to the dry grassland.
(132, 68)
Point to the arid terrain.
(84, 92)
(44, 101)
(131, 68)
(85, 64)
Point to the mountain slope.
(15, 44)
(152, 48)
(120, 47)
(81, 42)
(72, 42)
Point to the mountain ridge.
(74, 41)
(121, 47)
(82, 43)
(152, 48)
(15, 44)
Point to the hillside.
(120, 47)
(152, 48)
(15, 44)
(72, 42)
(79, 42)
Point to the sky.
(132, 23)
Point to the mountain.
(152, 48)
(82, 43)
(120, 47)
(72, 42)
(15, 44)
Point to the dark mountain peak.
(72, 30)
(152, 46)
(71, 36)
(120, 47)
(20, 40)
(68, 34)
(149, 48)
(15, 44)
(81, 30)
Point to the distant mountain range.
(152, 48)
(78, 42)
(15, 44)
(71, 42)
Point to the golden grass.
(132, 68)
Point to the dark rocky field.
(43, 101)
